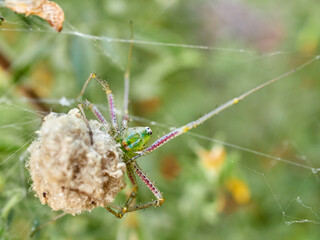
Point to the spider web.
(272, 168)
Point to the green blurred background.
(225, 182)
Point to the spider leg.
(131, 197)
(125, 118)
(159, 198)
(118, 132)
(127, 208)
(87, 122)
(112, 107)
(177, 132)
(95, 112)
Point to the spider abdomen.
(134, 139)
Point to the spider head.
(148, 131)
(134, 139)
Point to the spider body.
(135, 139)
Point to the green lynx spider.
(133, 140)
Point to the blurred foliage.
(212, 191)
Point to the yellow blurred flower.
(213, 159)
(239, 190)
(42, 80)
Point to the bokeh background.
(248, 173)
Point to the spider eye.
(149, 131)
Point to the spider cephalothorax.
(135, 139)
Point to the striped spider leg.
(131, 169)
(177, 132)
(125, 117)
(94, 109)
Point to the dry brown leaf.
(48, 10)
